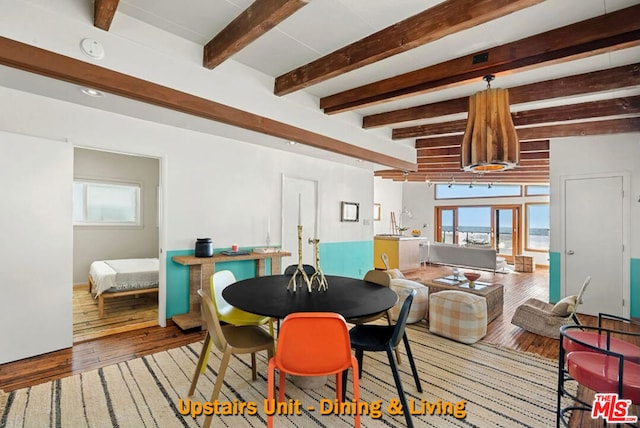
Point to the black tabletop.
(350, 297)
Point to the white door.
(299, 206)
(36, 248)
(593, 244)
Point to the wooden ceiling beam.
(103, 13)
(443, 19)
(599, 127)
(50, 64)
(252, 23)
(604, 80)
(605, 33)
(595, 127)
(525, 147)
(588, 110)
(527, 158)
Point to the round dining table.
(349, 297)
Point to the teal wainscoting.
(178, 278)
(634, 285)
(352, 259)
(555, 274)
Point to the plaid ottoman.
(458, 315)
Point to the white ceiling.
(323, 26)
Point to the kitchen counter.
(403, 251)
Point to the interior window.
(106, 203)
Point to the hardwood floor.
(104, 351)
(121, 314)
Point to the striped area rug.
(498, 387)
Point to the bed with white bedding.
(113, 278)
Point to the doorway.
(96, 241)
(594, 218)
(488, 226)
(504, 234)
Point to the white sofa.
(473, 257)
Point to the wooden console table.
(201, 269)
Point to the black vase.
(204, 247)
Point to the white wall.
(36, 245)
(388, 194)
(594, 155)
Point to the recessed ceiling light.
(291, 143)
(92, 92)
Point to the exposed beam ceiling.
(571, 67)
(605, 33)
(252, 23)
(596, 81)
(441, 20)
(569, 112)
(35, 60)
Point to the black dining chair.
(378, 338)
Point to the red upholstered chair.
(313, 344)
(603, 360)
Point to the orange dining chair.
(312, 344)
(230, 339)
(605, 361)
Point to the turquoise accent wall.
(555, 275)
(352, 259)
(178, 278)
(634, 287)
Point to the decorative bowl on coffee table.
(472, 277)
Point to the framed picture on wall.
(350, 211)
(376, 212)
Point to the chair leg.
(201, 364)
(271, 384)
(281, 386)
(218, 385)
(339, 387)
(206, 357)
(344, 384)
(254, 372)
(359, 357)
(356, 393)
(396, 378)
(397, 350)
(416, 378)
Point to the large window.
(537, 236)
(106, 203)
(490, 226)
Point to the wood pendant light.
(490, 141)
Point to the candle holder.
(293, 282)
(318, 275)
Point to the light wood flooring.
(104, 351)
(121, 314)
